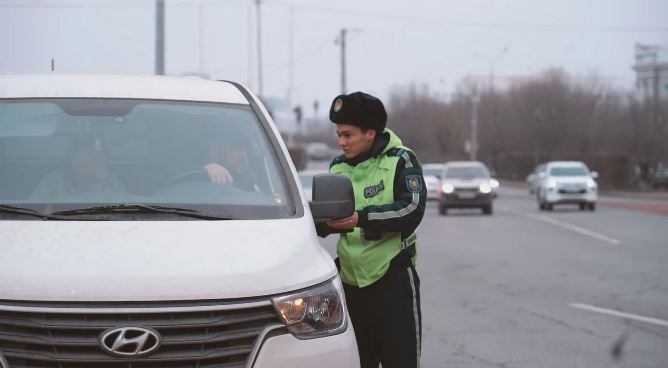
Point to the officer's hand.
(218, 174)
(344, 223)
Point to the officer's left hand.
(344, 223)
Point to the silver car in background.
(466, 184)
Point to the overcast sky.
(390, 43)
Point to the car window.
(568, 171)
(60, 153)
(466, 172)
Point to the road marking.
(612, 312)
(567, 226)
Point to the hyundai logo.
(130, 341)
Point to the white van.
(119, 249)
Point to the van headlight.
(485, 188)
(315, 312)
(591, 184)
(448, 188)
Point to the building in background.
(651, 69)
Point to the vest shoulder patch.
(414, 183)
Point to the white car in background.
(567, 182)
(432, 179)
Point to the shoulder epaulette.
(401, 152)
(396, 151)
(337, 160)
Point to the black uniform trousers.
(387, 318)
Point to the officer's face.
(353, 140)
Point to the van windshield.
(66, 154)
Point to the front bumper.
(556, 196)
(463, 200)
(325, 352)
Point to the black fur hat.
(358, 108)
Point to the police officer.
(377, 246)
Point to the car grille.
(466, 190)
(572, 191)
(221, 336)
(572, 188)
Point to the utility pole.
(249, 13)
(342, 42)
(474, 124)
(259, 48)
(492, 109)
(291, 50)
(160, 37)
(200, 18)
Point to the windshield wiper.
(4, 208)
(139, 208)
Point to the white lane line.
(612, 312)
(567, 226)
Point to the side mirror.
(541, 175)
(594, 174)
(333, 197)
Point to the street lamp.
(491, 61)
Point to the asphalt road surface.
(524, 288)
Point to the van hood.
(158, 260)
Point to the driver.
(86, 172)
(228, 164)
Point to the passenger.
(87, 172)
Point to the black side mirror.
(333, 197)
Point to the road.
(524, 288)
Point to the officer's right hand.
(347, 223)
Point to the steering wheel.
(190, 175)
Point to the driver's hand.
(218, 174)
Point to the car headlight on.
(494, 183)
(551, 184)
(448, 188)
(315, 312)
(591, 184)
(485, 188)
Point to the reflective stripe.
(408, 241)
(406, 157)
(417, 319)
(392, 214)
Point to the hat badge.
(338, 104)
